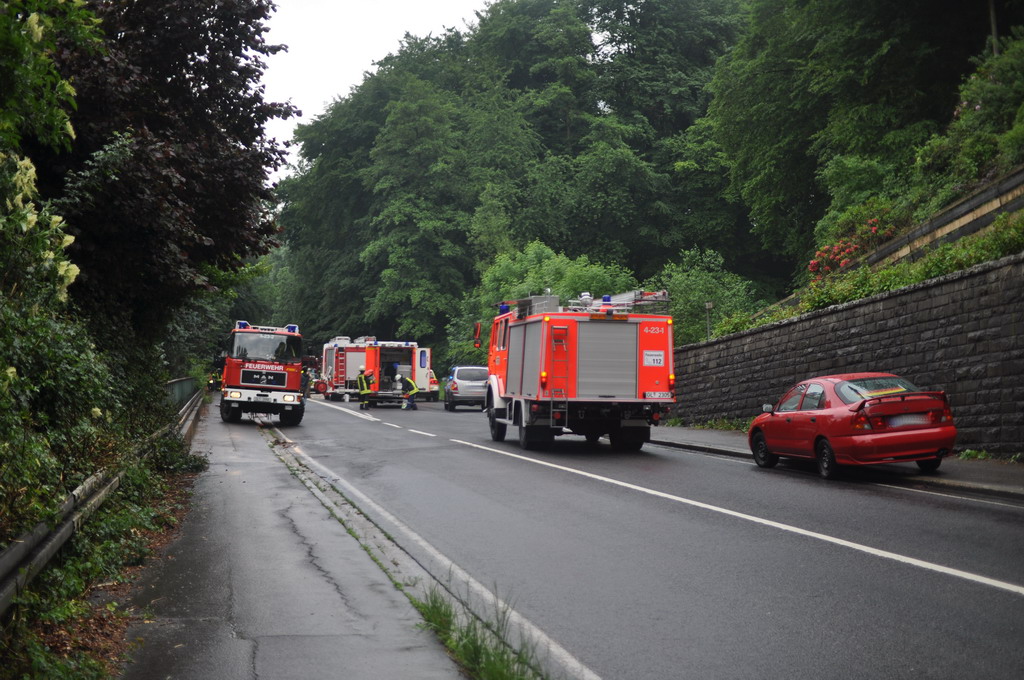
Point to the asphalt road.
(670, 564)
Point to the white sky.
(332, 43)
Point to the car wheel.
(762, 456)
(827, 466)
(497, 429)
(930, 465)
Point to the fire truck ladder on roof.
(559, 375)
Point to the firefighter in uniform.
(410, 389)
(363, 382)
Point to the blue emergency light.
(503, 309)
(241, 324)
(292, 328)
(606, 298)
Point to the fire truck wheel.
(292, 417)
(528, 439)
(593, 437)
(497, 429)
(228, 414)
(626, 441)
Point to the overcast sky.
(332, 43)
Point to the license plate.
(262, 397)
(657, 395)
(909, 419)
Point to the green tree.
(821, 100)
(537, 270)
(699, 277)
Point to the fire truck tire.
(626, 441)
(292, 417)
(593, 437)
(497, 429)
(228, 414)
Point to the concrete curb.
(918, 481)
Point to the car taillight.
(943, 416)
(860, 421)
(454, 386)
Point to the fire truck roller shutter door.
(607, 360)
(531, 360)
(514, 384)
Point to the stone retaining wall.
(962, 333)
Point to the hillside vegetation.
(710, 147)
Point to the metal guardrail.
(22, 561)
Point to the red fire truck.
(343, 356)
(262, 373)
(591, 368)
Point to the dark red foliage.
(181, 79)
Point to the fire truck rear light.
(671, 380)
(534, 408)
(655, 416)
(544, 379)
(670, 322)
(557, 415)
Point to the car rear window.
(851, 391)
(471, 374)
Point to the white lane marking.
(426, 434)
(393, 425)
(349, 411)
(913, 561)
(538, 637)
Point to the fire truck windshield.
(267, 346)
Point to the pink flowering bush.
(868, 236)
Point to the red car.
(855, 419)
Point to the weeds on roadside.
(54, 630)
(477, 646)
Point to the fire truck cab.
(262, 373)
(592, 368)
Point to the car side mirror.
(218, 362)
(767, 408)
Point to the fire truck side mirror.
(476, 334)
(218, 362)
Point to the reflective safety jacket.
(363, 382)
(408, 386)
